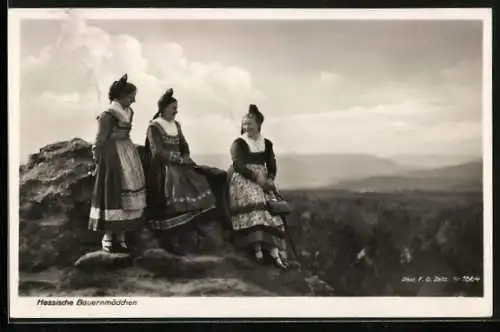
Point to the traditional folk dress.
(178, 193)
(119, 195)
(251, 221)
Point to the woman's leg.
(283, 253)
(107, 241)
(120, 241)
(275, 254)
(120, 238)
(259, 255)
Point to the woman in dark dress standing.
(119, 196)
(251, 184)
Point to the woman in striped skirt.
(179, 195)
(251, 185)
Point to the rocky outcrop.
(348, 243)
(55, 191)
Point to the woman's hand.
(268, 185)
(188, 161)
(261, 180)
(93, 169)
(94, 155)
(264, 183)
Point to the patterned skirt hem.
(206, 195)
(169, 223)
(206, 202)
(134, 191)
(235, 211)
(256, 218)
(266, 237)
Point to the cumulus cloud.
(382, 129)
(340, 108)
(67, 84)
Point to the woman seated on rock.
(179, 195)
(119, 195)
(251, 185)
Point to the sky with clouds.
(377, 87)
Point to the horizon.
(360, 179)
(441, 161)
(306, 153)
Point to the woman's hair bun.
(253, 110)
(169, 93)
(124, 78)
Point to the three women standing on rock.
(170, 191)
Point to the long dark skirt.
(119, 195)
(177, 196)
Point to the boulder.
(55, 192)
(101, 260)
(168, 265)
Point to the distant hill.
(215, 160)
(363, 172)
(320, 170)
(464, 177)
(312, 171)
(463, 171)
(430, 161)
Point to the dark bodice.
(258, 158)
(111, 127)
(170, 142)
(242, 156)
(169, 148)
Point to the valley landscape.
(360, 172)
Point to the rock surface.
(101, 260)
(349, 243)
(319, 287)
(55, 190)
(168, 265)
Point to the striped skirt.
(178, 197)
(119, 195)
(252, 223)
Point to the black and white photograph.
(250, 163)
